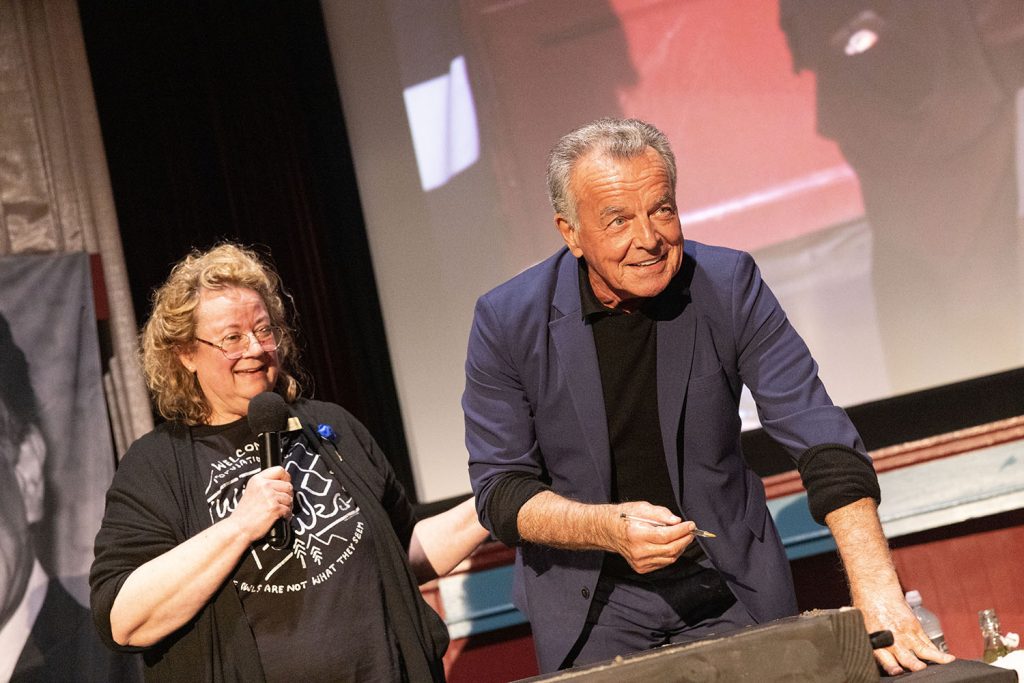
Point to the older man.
(601, 420)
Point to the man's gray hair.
(618, 138)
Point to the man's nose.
(644, 234)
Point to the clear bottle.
(929, 622)
(994, 645)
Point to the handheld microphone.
(268, 417)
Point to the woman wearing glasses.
(183, 571)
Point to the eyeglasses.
(234, 345)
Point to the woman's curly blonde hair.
(171, 327)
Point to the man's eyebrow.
(666, 198)
(612, 210)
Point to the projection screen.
(869, 160)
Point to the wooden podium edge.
(838, 636)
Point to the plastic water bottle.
(930, 622)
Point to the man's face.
(228, 385)
(629, 231)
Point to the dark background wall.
(222, 121)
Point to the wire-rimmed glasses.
(234, 345)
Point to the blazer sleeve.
(777, 367)
(500, 434)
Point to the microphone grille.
(268, 413)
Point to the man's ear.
(569, 234)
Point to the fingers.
(911, 652)
(647, 564)
(925, 650)
(274, 488)
(911, 647)
(268, 496)
(897, 659)
(641, 511)
(280, 502)
(888, 662)
(649, 536)
(648, 548)
(640, 529)
(276, 472)
(278, 498)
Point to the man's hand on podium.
(875, 589)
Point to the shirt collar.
(590, 306)
(664, 306)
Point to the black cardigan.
(153, 505)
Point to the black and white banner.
(56, 461)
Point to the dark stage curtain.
(223, 120)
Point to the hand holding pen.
(649, 536)
(652, 522)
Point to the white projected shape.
(442, 119)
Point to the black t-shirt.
(316, 608)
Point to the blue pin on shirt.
(326, 431)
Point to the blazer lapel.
(577, 357)
(675, 357)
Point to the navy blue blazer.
(533, 403)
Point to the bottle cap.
(913, 598)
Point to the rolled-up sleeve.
(792, 402)
(835, 476)
(505, 465)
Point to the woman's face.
(228, 385)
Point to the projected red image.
(716, 77)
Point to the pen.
(644, 520)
